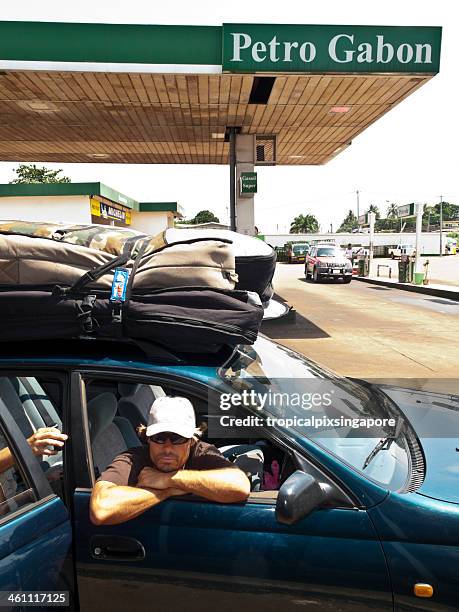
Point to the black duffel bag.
(188, 318)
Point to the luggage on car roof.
(176, 257)
(187, 319)
(62, 256)
(255, 260)
(176, 289)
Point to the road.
(368, 331)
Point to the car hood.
(435, 419)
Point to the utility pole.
(371, 220)
(358, 204)
(441, 226)
(419, 209)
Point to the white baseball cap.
(174, 414)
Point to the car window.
(36, 403)
(328, 252)
(118, 412)
(299, 248)
(14, 490)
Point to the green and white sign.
(363, 219)
(212, 49)
(248, 182)
(322, 48)
(408, 210)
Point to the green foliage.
(431, 216)
(392, 211)
(203, 216)
(373, 208)
(350, 223)
(30, 173)
(391, 223)
(304, 224)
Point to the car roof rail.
(112, 348)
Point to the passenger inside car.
(174, 462)
(39, 421)
(117, 415)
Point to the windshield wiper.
(384, 443)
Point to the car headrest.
(101, 412)
(125, 389)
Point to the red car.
(327, 261)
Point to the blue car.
(343, 523)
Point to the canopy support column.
(232, 137)
(245, 206)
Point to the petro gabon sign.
(322, 48)
(233, 47)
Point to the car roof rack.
(111, 348)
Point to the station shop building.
(85, 203)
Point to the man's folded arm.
(112, 504)
(226, 485)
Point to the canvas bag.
(26, 260)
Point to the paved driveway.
(363, 330)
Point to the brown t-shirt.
(126, 467)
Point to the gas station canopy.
(169, 94)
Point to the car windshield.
(269, 366)
(328, 252)
(299, 248)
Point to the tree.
(391, 222)
(205, 216)
(349, 223)
(392, 211)
(304, 224)
(30, 173)
(375, 209)
(431, 215)
(450, 211)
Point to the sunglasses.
(174, 438)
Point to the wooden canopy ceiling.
(180, 118)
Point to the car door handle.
(116, 548)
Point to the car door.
(35, 529)
(188, 553)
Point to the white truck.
(401, 249)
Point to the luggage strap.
(84, 314)
(139, 256)
(117, 306)
(191, 241)
(98, 272)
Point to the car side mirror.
(298, 496)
